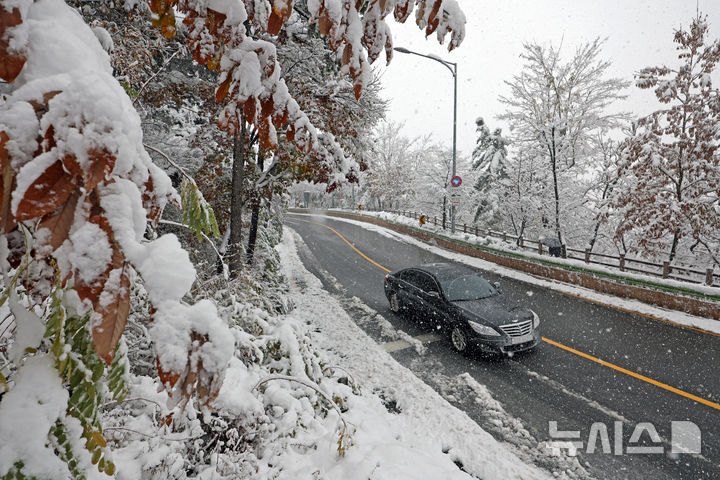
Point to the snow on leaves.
(12, 58)
(671, 161)
(250, 78)
(76, 177)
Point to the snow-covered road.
(552, 384)
(414, 433)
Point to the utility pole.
(453, 70)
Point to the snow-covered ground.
(420, 437)
(628, 304)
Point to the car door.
(409, 289)
(430, 298)
(406, 285)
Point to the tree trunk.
(237, 200)
(444, 210)
(252, 237)
(596, 230)
(673, 248)
(553, 165)
(521, 233)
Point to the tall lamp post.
(453, 71)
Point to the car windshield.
(468, 287)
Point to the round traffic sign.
(456, 181)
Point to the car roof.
(443, 271)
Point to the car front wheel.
(394, 303)
(459, 339)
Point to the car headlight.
(536, 319)
(483, 329)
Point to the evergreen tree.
(489, 158)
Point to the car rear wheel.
(459, 339)
(394, 303)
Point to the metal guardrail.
(681, 272)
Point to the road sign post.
(455, 182)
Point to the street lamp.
(453, 71)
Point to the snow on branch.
(77, 176)
(344, 438)
(250, 80)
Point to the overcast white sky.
(639, 34)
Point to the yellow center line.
(635, 375)
(346, 241)
(570, 349)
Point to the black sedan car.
(471, 309)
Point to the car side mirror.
(497, 286)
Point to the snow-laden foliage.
(403, 173)
(670, 166)
(326, 95)
(79, 190)
(77, 194)
(489, 159)
(555, 110)
(250, 77)
(393, 166)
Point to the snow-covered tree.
(79, 190)
(489, 159)
(523, 201)
(555, 109)
(671, 164)
(432, 179)
(392, 167)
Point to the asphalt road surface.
(596, 364)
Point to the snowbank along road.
(615, 386)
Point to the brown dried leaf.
(48, 142)
(4, 155)
(107, 333)
(264, 134)
(249, 109)
(7, 183)
(324, 23)
(101, 165)
(11, 63)
(150, 201)
(41, 108)
(71, 165)
(290, 134)
(267, 105)
(358, 90)
(347, 54)
(224, 88)
(167, 24)
(49, 190)
(168, 379)
(280, 118)
(59, 222)
(402, 11)
(275, 23)
(93, 290)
